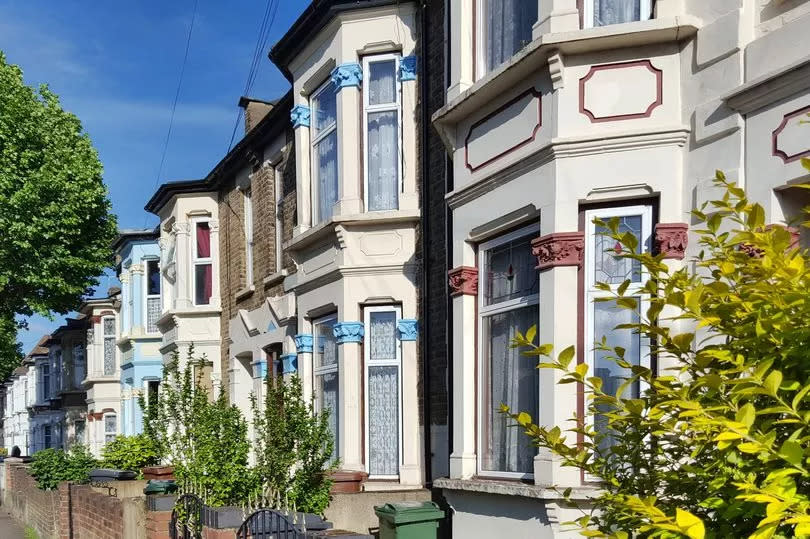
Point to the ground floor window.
(47, 438)
(383, 391)
(110, 427)
(325, 357)
(508, 303)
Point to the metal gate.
(187, 517)
(270, 524)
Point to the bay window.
(383, 390)
(325, 357)
(202, 262)
(504, 27)
(605, 12)
(248, 226)
(108, 323)
(323, 134)
(381, 136)
(508, 303)
(153, 304)
(603, 266)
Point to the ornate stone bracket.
(349, 332)
(671, 239)
(289, 364)
(463, 280)
(559, 249)
(407, 68)
(299, 116)
(303, 343)
(408, 329)
(259, 369)
(347, 75)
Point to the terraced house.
(558, 112)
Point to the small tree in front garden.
(52, 466)
(130, 453)
(293, 447)
(717, 446)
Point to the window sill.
(526, 62)
(322, 230)
(244, 293)
(512, 488)
(275, 278)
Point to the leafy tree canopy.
(54, 209)
(717, 442)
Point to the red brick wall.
(157, 524)
(95, 515)
(30, 505)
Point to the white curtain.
(79, 365)
(383, 396)
(615, 11)
(383, 161)
(326, 156)
(508, 28)
(513, 381)
(329, 401)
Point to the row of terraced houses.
(425, 189)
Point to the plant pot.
(158, 472)
(347, 481)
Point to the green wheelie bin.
(409, 520)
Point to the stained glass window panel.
(383, 338)
(109, 326)
(610, 268)
(383, 431)
(109, 356)
(326, 351)
(510, 271)
(152, 314)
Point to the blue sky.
(116, 66)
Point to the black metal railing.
(187, 517)
(269, 524)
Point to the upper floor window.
(381, 136)
(108, 327)
(203, 267)
(153, 305)
(248, 225)
(79, 365)
(323, 133)
(605, 12)
(508, 303)
(504, 27)
(45, 391)
(602, 316)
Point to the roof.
(39, 349)
(134, 234)
(245, 100)
(19, 371)
(71, 324)
(314, 18)
(167, 190)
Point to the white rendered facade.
(628, 120)
(16, 427)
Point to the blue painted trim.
(299, 116)
(289, 363)
(303, 343)
(408, 329)
(260, 369)
(349, 332)
(407, 68)
(347, 75)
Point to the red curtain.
(203, 240)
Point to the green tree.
(130, 453)
(293, 447)
(56, 220)
(52, 466)
(10, 350)
(717, 446)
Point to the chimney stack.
(255, 110)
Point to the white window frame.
(396, 105)
(314, 140)
(46, 380)
(104, 338)
(591, 292)
(47, 436)
(196, 261)
(318, 370)
(247, 218)
(481, 69)
(645, 10)
(277, 185)
(104, 426)
(396, 362)
(147, 296)
(484, 312)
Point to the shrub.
(205, 441)
(130, 453)
(52, 466)
(293, 447)
(719, 445)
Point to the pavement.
(9, 529)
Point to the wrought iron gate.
(270, 524)
(187, 517)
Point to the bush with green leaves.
(130, 453)
(293, 447)
(719, 445)
(52, 466)
(205, 440)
